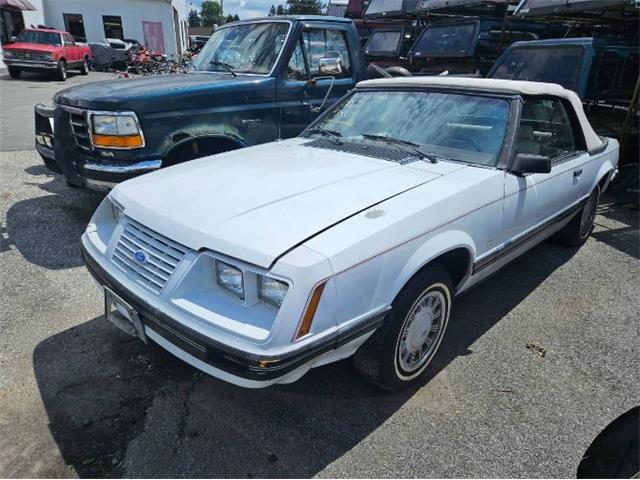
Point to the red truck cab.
(45, 50)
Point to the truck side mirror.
(13, 39)
(330, 66)
(529, 163)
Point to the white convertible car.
(355, 237)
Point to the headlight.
(117, 210)
(271, 291)
(230, 278)
(7, 54)
(116, 131)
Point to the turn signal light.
(310, 312)
(117, 141)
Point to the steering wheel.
(465, 144)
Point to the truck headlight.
(271, 291)
(7, 54)
(117, 210)
(120, 130)
(230, 278)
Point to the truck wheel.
(61, 72)
(577, 231)
(399, 352)
(84, 70)
(14, 72)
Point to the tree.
(280, 10)
(229, 19)
(236, 18)
(306, 7)
(194, 19)
(272, 10)
(211, 13)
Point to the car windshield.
(243, 48)
(446, 40)
(37, 36)
(449, 126)
(382, 42)
(541, 64)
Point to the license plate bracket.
(123, 315)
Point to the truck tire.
(577, 231)
(399, 352)
(398, 71)
(84, 69)
(14, 72)
(61, 70)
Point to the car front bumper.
(228, 363)
(31, 65)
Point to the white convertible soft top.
(592, 139)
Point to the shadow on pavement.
(46, 229)
(100, 387)
(620, 231)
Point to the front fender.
(430, 250)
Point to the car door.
(302, 88)
(70, 50)
(536, 203)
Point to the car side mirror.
(13, 39)
(330, 66)
(529, 163)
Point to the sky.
(244, 8)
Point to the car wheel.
(577, 231)
(84, 70)
(397, 71)
(399, 352)
(61, 72)
(14, 72)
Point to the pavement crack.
(186, 409)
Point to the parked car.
(254, 82)
(355, 237)
(45, 50)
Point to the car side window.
(68, 40)
(296, 69)
(545, 129)
(320, 43)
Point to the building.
(157, 24)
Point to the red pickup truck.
(45, 50)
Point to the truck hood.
(256, 204)
(157, 93)
(30, 47)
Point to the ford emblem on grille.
(141, 256)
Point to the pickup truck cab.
(253, 82)
(353, 238)
(45, 50)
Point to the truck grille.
(162, 255)
(30, 56)
(79, 126)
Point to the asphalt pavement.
(80, 398)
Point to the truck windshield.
(540, 64)
(468, 128)
(243, 48)
(454, 40)
(37, 36)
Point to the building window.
(11, 23)
(74, 24)
(112, 26)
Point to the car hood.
(258, 203)
(157, 93)
(30, 47)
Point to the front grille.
(385, 152)
(163, 255)
(30, 56)
(79, 127)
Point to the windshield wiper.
(415, 147)
(226, 66)
(337, 136)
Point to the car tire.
(61, 71)
(392, 358)
(397, 71)
(577, 231)
(14, 72)
(84, 69)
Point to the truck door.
(70, 50)
(303, 86)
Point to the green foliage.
(305, 7)
(194, 19)
(211, 13)
(272, 10)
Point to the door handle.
(577, 173)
